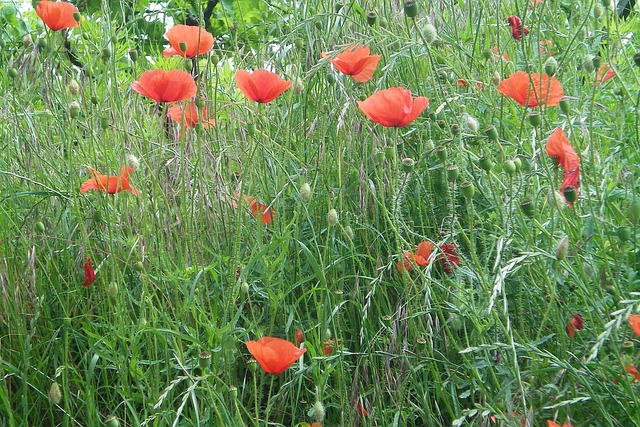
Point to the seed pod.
(491, 132)
(305, 192)
(535, 119)
(452, 173)
(527, 207)
(509, 167)
(371, 18)
(570, 193)
(410, 8)
(408, 164)
(133, 55)
(467, 189)
(204, 360)
(485, 164)
(441, 152)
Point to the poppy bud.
(111, 421)
(371, 18)
(42, 44)
(389, 153)
(298, 44)
(327, 334)
(106, 54)
(73, 87)
(518, 162)
(77, 17)
(564, 105)
(562, 247)
(587, 64)
(605, 3)
(199, 127)
(13, 73)
(383, 23)
(204, 360)
(244, 287)
(408, 164)
(299, 337)
(318, 411)
(558, 200)
(410, 8)
(496, 78)
(636, 59)
(74, 110)
(570, 193)
(430, 33)
(138, 266)
(467, 189)
(55, 394)
(470, 123)
(183, 46)
(133, 55)
(441, 152)
(428, 145)
(332, 217)
(486, 53)
(305, 192)
(142, 322)
(509, 167)
(27, 40)
(485, 163)
(188, 66)
(318, 25)
(597, 62)
(551, 66)
(624, 233)
(112, 290)
(298, 87)
(104, 123)
(535, 119)
(598, 10)
(491, 132)
(527, 207)
(40, 227)
(133, 162)
(348, 231)
(200, 102)
(452, 172)
(331, 79)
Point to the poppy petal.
(57, 15)
(197, 39)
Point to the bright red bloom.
(423, 253)
(405, 262)
(356, 62)
(299, 337)
(559, 149)
(633, 371)
(89, 274)
(109, 184)
(554, 424)
(393, 107)
(198, 41)
(264, 212)
(604, 73)
(576, 322)
(450, 260)
(274, 355)
(57, 14)
(190, 115)
(634, 321)
(516, 27)
(166, 86)
(532, 90)
(261, 85)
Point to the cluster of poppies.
(448, 257)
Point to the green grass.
(179, 271)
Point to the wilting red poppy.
(604, 73)
(109, 184)
(89, 274)
(274, 355)
(258, 209)
(356, 62)
(464, 83)
(190, 115)
(561, 151)
(261, 85)
(299, 337)
(166, 86)
(197, 39)
(450, 260)
(328, 346)
(360, 408)
(516, 27)
(393, 107)
(555, 424)
(423, 253)
(634, 321)
(532, 90)
(57, 14)
(575, 322)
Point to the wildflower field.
(320, 213)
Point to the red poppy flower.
(261, 85)
(450, 260)
(393, 107)
(89, 274)
(604, 73)
(328, 346)
(405, 262)
(423, 253)
(634, 321)
(356, 62)
(516, 27)
(57, 14)
(576, 322)
(190, 115)
(274, 355)
(299, 337)
(197, 39)
(109, 184)
(554, 424)
(532, 90)
(165, 86)
(633, 371)
(264, 212)
(559, 149)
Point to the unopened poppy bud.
(204, 360)
(570, 193)
(331, 79)
(188, 66)
(74, 110)
(452, 172)
(183, 46)
(430, 33)
(408, 164)
(518, 162)
(470, 123)
(42, 44)
(636, 59)
(455, 129)
(496, 78)
(348, 231)
(467, 189)
(429, 145)
(527, 207)
(73, 87)
(564, 105)
(587, 64)
(133, 162)
(106, 54)
(486, 53)
(297, 86)
(138, 266)
(598, 10)
(104, 123)
(491, 132)
(485, 163)
(77, 17)
(383, 23)
(305, 192)
(318, 411)
(13, 73)
(624, 233)
(244, 287)
(597, 62)
(562, 247)
(40, 227)
(605, 3)
(371, 18)
(27, 40)
(441, 152)
(55, 394)
(133, 55)
(535, 119)
(558, 200)
(509, 167)
(112, 290)
(332, 217)
(551, 66)
(200, 102)
(410, 8)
